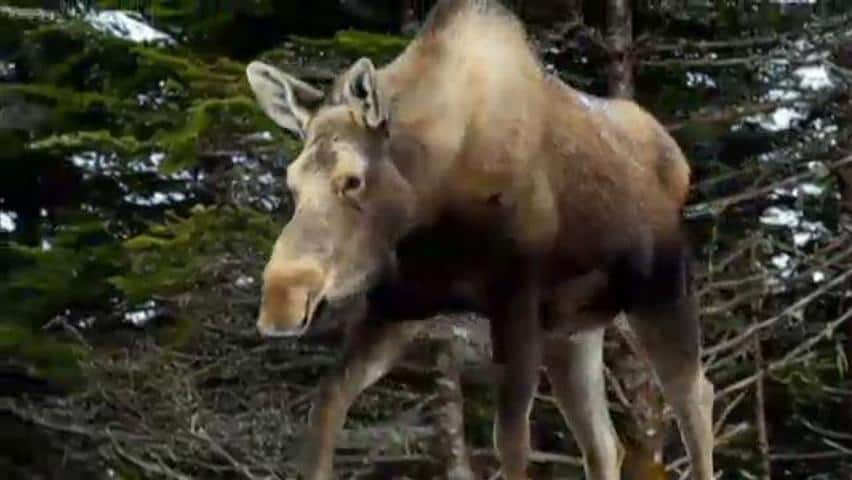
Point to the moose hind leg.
(575, 368)
(370, 353)
(670, 336)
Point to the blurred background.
(142, 190)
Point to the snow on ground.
(126, 25)
(781, 119)
(7, 221)
(813, 77)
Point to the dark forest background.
(143, 188)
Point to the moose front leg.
(369, 354)
(517, 337)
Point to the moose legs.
(517, 338)
(370, 353)
(575, 369)
(670, 336)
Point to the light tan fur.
(489, 121)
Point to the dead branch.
(824, 431)
(752, 42)
(535, 456)
(791, 357)
(717, 206)
(29, 13)
(796, 306)
(760, 413)
(797, 457)
(705, 116)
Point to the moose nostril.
(351, 183)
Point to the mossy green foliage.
(50, 282)
(88, 113)
(80, 92)
(46, 357)
(177, 255)
(355, 43)
(69, 272)
(132, 91)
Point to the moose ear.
(359, 89)
(288, 101)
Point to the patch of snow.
(783, 192)
(270, 204)
(816, 227)
(766, 157)
(7, 221)
(184, 175)
(157, 198)
(142, 315)
(782, 262)
(265, 136)
(813, 77)
(800, 239)
(808, 231)
(126, 25)
(151, 164)
(819, 168)
(806, 189)
(461, 333)
(780, 217)
(819, 124)
(782, 94)
(811, 189)
(781, 119)
(802, 44)
(157, 158)
(266, 179)
(86, 160)
(86, 322)
(699, 79)
(8, 71)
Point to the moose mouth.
(313, 312)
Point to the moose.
(462, 176)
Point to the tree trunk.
(644, 455)
(644, 438)
(449, 446)
(620, 37)
(765, 472)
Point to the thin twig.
(718, 205)
(769, 322)
(792, 357)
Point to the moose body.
(461, 176)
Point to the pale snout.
(292, 298)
